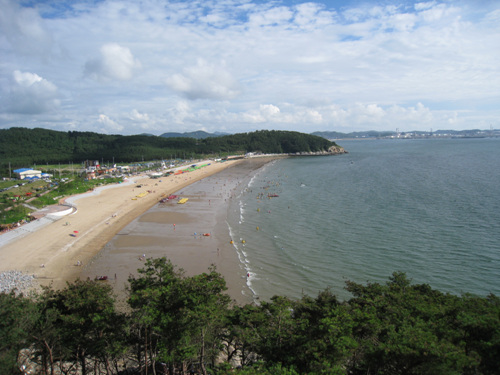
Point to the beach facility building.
(27, 173)
(91, 165)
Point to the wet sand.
(193, 235)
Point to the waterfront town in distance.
(373, 134)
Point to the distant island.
(373, 134)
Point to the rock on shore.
(333, 150)
(15, 280)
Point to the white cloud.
(329, 117)
(180, 112)
(367, 116)
(107, 125)
(137, 116)
(145, 122)
(114, 63)
(269, 110)
(204, 81)
(434, 14)
(31, 94)
(266, 113)
(311, 15)
(270, 16)
(423, 6)
(237, 65)
(23, 29)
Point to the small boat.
(272, 195)
(183, 200)
(101, 278)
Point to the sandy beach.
(75, 245)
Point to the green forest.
(22, 147)
(173, 324)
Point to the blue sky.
(154, 66)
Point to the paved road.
(47, 219)
(33, 226)
(26, 229)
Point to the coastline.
(193, 236)
(99, 216)
(52, 253)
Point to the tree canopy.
(188, 325)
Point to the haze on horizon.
(156, 66)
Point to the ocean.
(429, 208)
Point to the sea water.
(429, 208)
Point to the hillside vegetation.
(22, 147)
(176, 324)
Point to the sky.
(155, 66)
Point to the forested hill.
(200, 134)
(22, 147)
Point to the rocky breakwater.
(17, 281)
(333, 150)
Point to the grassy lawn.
(39, 194)
(14, 215)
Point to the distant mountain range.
(200, 134)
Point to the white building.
(24, 173)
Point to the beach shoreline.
(194, 236)
(55, 253)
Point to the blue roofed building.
(27, 173)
